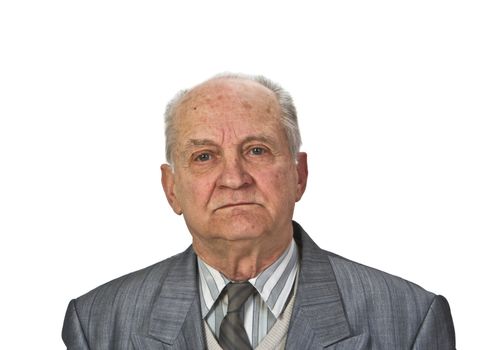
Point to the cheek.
(194, 193)
(281, 184)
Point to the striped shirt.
(274, 286)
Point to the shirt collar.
(269, 283)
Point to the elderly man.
(253, 278)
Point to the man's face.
(234, 176)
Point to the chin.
(240, 227)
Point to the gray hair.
(288, 112)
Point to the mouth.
(235, 205)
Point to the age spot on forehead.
(246, 105)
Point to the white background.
(397, 106)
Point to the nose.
(233, 174)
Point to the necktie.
(232, 334)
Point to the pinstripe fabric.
(339, 305)
(261, 310)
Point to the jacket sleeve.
(437, 330)
(72, 332)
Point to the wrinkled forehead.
(228, 111)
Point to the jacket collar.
(175, 319)
(318, 318)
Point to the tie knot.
(238, 294)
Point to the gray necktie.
(232, 333)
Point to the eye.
(257, 151)
(203, 157)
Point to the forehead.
(227, 103)
(219, 97)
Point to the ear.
(168, 186)
(302, 174)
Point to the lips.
(232, 205)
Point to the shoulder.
(391, 311)
(357, 278)
(106, 316)
(381, 303)
(361, 284)
(131, 293)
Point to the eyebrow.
(260, 138)
(200, 142)
(207, 142)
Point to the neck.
(240, 260)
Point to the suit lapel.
(318, 318)
(176, 321)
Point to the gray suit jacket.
(339, 305)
